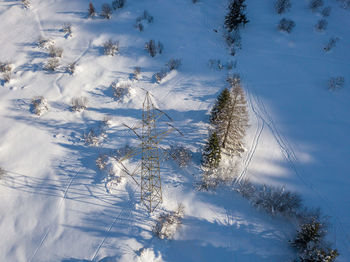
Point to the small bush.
(26, 4)
(137, 73)
(326, 11)
(79, 104)
(331, 44)
(2, 172)
(336, 83)
(5, 67)
(160, 76)
(39, 105)
(45, 43)
(101, 162)
(173, 64)
(282, 6)
(277, 201)
(315, 4)
(55, 51)
(168, 223)
(91, 10)
(147, 16)
(321, 25)
(121, 90)
(286, 25)
(153, 49)
(106, 11)
(67, 30)
(111, 48)
(116, 4)
(93, 137)
(181, 155)
(71, 68)
(52, 64)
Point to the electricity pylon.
(151, 184)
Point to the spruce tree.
(232, 120)
(220, 104)
(212, 152)
(236, 16)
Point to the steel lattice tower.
(151, 186)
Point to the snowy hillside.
(55, 202)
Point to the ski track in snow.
(58, 209)
(290, 156)
(124, 214)
(255, 142)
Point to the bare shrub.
(173, 64)
(153, 49)
(55, 51)
(139, 26)
(7, 76)
(336, 83)
(116, 4)
(246, 189)
(331, 44)
(2, 172)
(45, 43)
(91, 10)
(106, 11)
(121, 90)
(79, 104)
(111, 47)
(286, 25)
(321, 25)
(277, 201)
(71, 68)
(145, 17)
(137, 73)
(234, 41)
(93, 137)
(216, 64)
(180, 154)
(160, 75)
(168, 223)
(52, 64)
(282, 6)
(26, 3)
(326, 11)
(67, 30)
(101, 162)
(39, 105)
(5, 67)
(315, 4)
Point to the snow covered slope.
(54, 204)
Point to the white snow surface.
(54, 205)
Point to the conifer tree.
(220, 104)
(232, 120)
(212, 153)
(236, 16)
